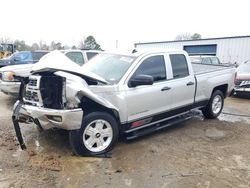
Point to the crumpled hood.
(19, 70)
(57, 61)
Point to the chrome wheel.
(217, 104)
(97, 135)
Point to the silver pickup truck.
(119, 95)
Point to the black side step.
(159, 126)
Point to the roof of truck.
(145, 51)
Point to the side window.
(76, 57)
(179, 65)
(215, 61)
(38, 55)
(153, 66)
(91, 55)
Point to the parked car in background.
(205, 60)
(24, 57)
(242, 80)
(80, 56)
(118, 94)
(9, 85)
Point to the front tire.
(215, 105)
(97, 135)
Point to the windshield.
(244, 68)
(23, 56)
(110, 67)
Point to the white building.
(228, 49)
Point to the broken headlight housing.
(8, 76)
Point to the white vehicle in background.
(116, 94)
(10, 86)
(205, 60)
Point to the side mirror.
(141, 79)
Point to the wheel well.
(222, 88)
(89, 106)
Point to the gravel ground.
(197, 153)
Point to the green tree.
(59, 46)
(34, 46)
(90, 43)
(52, 45)
(196, 36)
(188, 36)
(43, 45)
(183, 36)
(5, 40)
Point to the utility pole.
(116, 44)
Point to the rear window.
(179, 65)
(38, 55)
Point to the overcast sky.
(127, 21)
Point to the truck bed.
(202, 68)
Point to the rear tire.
(214, 106)
(97, 135)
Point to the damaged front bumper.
(70, 119)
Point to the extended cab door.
(182, 82)
(149, 100)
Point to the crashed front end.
(52, 96)
(43, 101)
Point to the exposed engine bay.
(59, 90)
(52, 89)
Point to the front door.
(149, 100)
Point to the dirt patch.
(197, 153)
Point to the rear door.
(182, 82)
(149, 100)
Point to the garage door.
(201, 49)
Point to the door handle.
(165, 88)
(190, 83)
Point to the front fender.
(76, 88)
